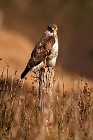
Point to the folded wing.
(41, 51)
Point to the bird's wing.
(41, 51)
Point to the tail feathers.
(25, 72)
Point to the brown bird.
(46, 50)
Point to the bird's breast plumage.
(51, 59)
(54, 49)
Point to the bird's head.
(52, 29)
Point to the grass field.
(21, 119)
(70, 115)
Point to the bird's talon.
(35, 77)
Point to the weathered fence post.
(41, 80)
(45, 99)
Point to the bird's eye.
(50, 29)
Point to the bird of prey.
(45, 52)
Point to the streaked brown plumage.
(42, 49)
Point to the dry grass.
(20, 116)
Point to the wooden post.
(41, 79)
(45, 99)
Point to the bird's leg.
(34, 77)
(35, 72)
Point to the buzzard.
(45, 52)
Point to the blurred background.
(23, 22)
